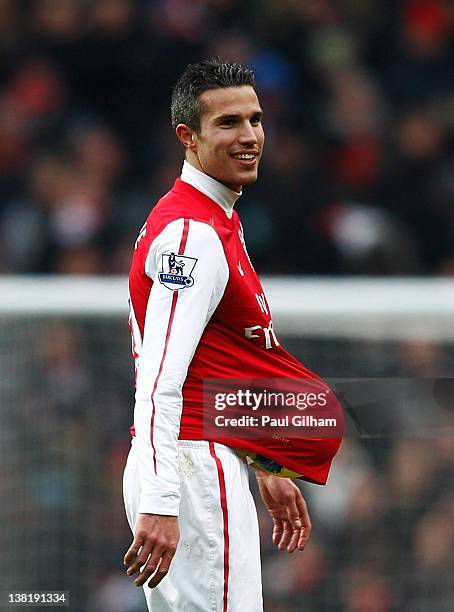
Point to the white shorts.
(216, 567)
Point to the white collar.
(212, 188)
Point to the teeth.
(244, 156)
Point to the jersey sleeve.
(187, 264)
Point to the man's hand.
(155, 542)
(283, 500)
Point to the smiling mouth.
(245, 157)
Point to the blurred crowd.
(358, 96)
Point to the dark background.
(357, 175)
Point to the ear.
(186, 136)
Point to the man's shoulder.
(181, 201)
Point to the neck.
(216, 191)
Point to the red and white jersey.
(197, 312)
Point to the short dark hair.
(197, 78)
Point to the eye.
(228, 122)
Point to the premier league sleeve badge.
(176, 271)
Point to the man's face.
(229, 145)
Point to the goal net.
(383, 527)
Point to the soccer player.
(187, 498)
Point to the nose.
(248, 134)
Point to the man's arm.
(174, 323)
(288, 509)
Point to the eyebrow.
(221, 118)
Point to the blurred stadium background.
(357, 179)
